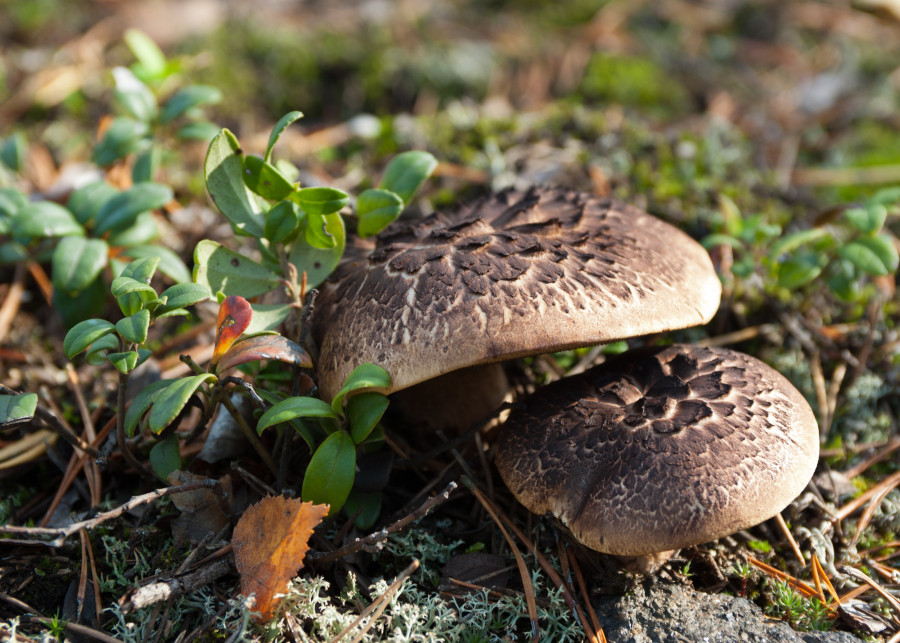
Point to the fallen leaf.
(234, 317)
(253, 349)
(201, 510)
(270, 541)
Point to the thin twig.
(171, 588)
(380, 535)
(790, 538)
(75, 628)
(61, 533)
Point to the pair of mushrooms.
(653, 450)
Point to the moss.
(634, 82)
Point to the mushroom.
(514, 274)
(659, 449)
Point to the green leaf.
(123, 285)
(320, 200)
(145, 165)
(376, 209)
(330, 473)
(265, 180)
(11, 201)
(98, 351)
(134, 327)
(873, 255)
(406, 173)
(77, 262)
(124, 362)
(197, 131)
(141, 232)
(134, 96)
(182, 295)
(710, 241)
(790, 242)
(141, 402)
(844, 281)
(17, 408)
(14, 151)
(12, 252)
(172, 399)
(364, 411)
(317, 234)
(86, 201)
(283, 123)
(121, 211)
(84, 334)
(170, 264)
(45, 219)
(267, 317)
(90, 302)
(800, 270)
(150, 57)
(124, 136)
(319, 263)
(364, 376)
(282, 221)
(224, 168)
(165, 457)
(294, 407)
(868, 219)
(188, 98)
(885, 196)
(221, 269)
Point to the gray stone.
(653, 610)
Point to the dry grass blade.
(888, 483)
(797, 584)
(377, 606)
(886, 595)
(27, 448)
(892, 445)
(869, 512)
(520, 562)
(582, 586)
(11, 302)
(790, 538)
(820, 575)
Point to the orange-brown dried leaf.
(270, 541)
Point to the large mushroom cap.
(661, 449)
(517, 273)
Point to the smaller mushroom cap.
(514, 274)
(659, 449)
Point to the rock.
(654, 610)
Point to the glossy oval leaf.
(319, 263)
(147, 52)
(14, 151)
(376, 209)
(873, 255)
(330, 473)
(141, 232)
(11, 201)
(170, 264)
(282, 221)
(292, 408)
(253, 349)
(268, 317)
(17, 408)
(197, 131)
(320, 200)
(134, 328)
(141, 402)
(98, 351)
(406, 173)
(124, 362)
(364, 376)
(165, 457)
(234, 317)
(224, 168)
(283, 123)
(868, 219)
(133, 96)
(364, 411)
(124, 136)
(265, 179)
(171, 400)
(121, 211)
(77, 262)
(799, 270)
(85, 333)
(186, 99)
(221, 269)
(186, 294)
(123, 285)
(45, 219)
(146, 164)
(86, 201)
(317, 234)
(790, 242)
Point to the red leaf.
(264, 347)
(234, 317)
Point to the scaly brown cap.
(659, 449)
(514, 274)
